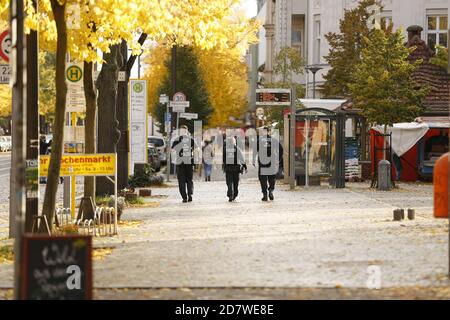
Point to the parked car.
(161, 147)
(153, 158)
(5, 143)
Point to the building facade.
(302, 24)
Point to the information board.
(138, 123)
(56, 268)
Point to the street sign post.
(138, 123)
(282, 97)
(75, 99)
(179, 105)
(5, 45)
(189, 116)
(5, 73)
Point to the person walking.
(208, 159)
(184, 148)
(270, 160)
(233, 165)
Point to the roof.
(435, 122)
(428, 74)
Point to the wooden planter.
(145, 193)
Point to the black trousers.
(185, 175)
(232, 179)
(267, 183)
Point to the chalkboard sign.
(56, 268)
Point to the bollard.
(402, 211)
(411, 214)
(398, 215)
(384, 175)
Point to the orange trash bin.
(441, 186)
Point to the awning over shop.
(405, 135)
(329, 104)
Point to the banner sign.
(82, 165)
(138, 122)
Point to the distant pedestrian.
(184, 148)
(233, 165)
(270, 161)
(398, 166)
(208, 159)
(43, 145)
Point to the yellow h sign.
(74, 73)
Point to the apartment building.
(302, 24)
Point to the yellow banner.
(82, 165)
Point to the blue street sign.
(167, 117)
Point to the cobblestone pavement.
(319, 239)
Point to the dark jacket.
(233, 158)
(184, 146)
(268, 155)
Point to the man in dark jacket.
(184, 148)
(233, 165)
(270, 160)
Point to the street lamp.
(314, 70)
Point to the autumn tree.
(222, 68)
(87, 30)
(191, 83)
(345, 49)
(382, 83)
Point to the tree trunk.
(89, 129)
(108, 132)
(48, 208)
(122, 116)
(122, 113)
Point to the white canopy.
(405, 135)
(329, 104)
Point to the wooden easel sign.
(56, 268)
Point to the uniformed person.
(270, 161)
(184, 148)
(233, 166)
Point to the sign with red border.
(5, 45)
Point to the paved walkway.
(316, 237)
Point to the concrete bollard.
(384, 175)
(398, 215)
(411, 214)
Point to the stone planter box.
(145, 193)
(130, 196)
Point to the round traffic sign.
(179, 96)
(138, 87)
(5, 45)
(74, 73)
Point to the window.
(386, 18)
(317, 39)
(437, 30)
(297, 33)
